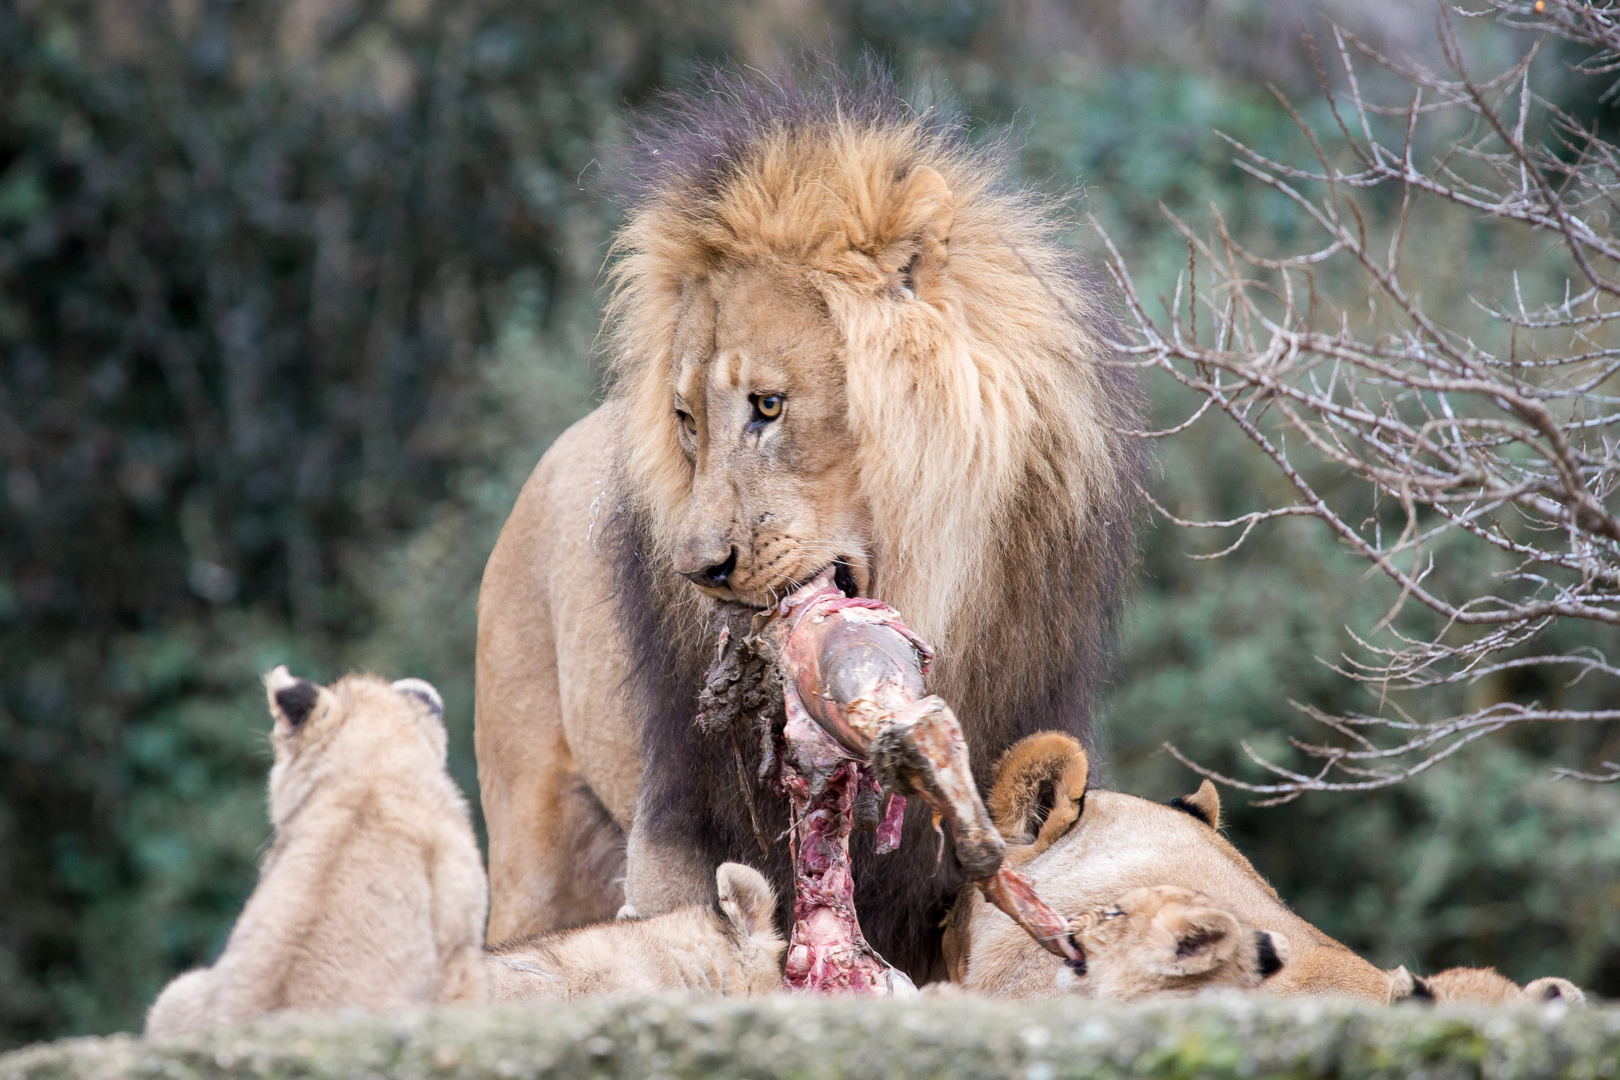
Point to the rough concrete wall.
(942, 1038)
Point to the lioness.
(1168, 941)
(730, 947)
(373, 894)
(1114, 843)
(1484, 986)
(840, 337)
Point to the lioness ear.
(1068, 797)
(1203, 804)
(1271, 952)
(1203, 939)
(292, 700)
(746, 899)
(1040, 777)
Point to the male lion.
(372, 895)
(839, 337)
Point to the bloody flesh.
(856, 714)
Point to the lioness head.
(1164, 939)
(845, 340)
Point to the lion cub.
(1166, 940)
(373, 893)
(1484, 986)
(1089, 850)
(730, 947)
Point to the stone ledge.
(942, 1038)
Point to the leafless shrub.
(1502, 439)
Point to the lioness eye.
(686, 423)
(768, 406)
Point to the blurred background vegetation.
(293, 294)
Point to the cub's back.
(369, 891)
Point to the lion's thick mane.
(990, 424)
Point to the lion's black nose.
(714, 576)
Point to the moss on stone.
(942, 1038)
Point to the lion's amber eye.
(768, 406)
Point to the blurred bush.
(293, 295)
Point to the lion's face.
(760, 410)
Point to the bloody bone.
(853, 694)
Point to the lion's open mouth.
(844, 578)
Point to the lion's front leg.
(664, 867)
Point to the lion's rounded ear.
(746, 899)
(1201, 939)
(924, 207)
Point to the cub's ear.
(1401, 983)
(1203, 804)
(1201, 939)
(1554, 989)
(292, 700)
(422, 691)
(1271, 952)
(746, 899)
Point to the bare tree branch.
(1498, 446)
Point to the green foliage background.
(294, 294)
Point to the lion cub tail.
(1040, 784)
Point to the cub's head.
(744, 908)
(308, 715)
(842, 339)
(1164, 939)
(1480, 986)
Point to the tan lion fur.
(1166, 941)
(1482, 986)
(372, 895)
(1120, 843)
(730, 948)
(952, 432)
